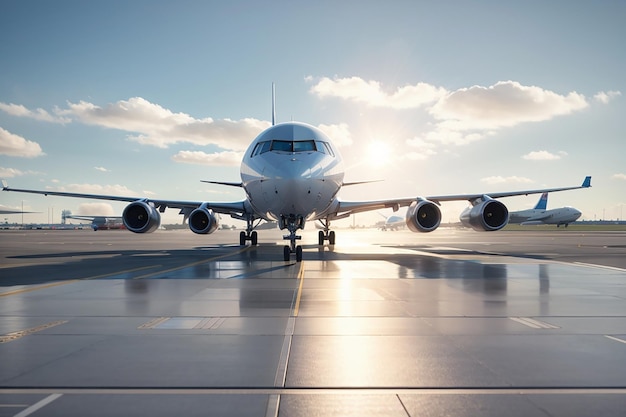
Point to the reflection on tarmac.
(461, 324)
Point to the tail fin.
(587, 182)
(542, 204)
(273, 105)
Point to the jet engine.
(141, 217)
(203, 221)
(423, 216)
(488, 215)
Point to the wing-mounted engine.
(423, 216)
(486, 214)
(203, 220)
(141, 217)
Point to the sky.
(147, 98)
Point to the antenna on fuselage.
(273, 105)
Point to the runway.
(454, 322)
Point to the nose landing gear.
(292, 223)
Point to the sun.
(378, 153)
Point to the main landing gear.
(250, 234)
(326, 234)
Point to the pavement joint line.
(215, 258)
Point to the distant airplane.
(101, 222)
(541, 215)
(292, 173)
(393, 223)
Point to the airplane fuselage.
(563, 215)
(292, 172)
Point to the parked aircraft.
(541, 215)
(101, 222)
(292, 173)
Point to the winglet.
(5, 186)
(587, 182)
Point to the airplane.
(541, 215)
(292, 173)
(101, 222)
(393, 222)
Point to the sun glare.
(378, 153)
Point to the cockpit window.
(293, 146)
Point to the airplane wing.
(237, 207)
(344, 209)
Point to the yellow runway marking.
(296, 308)
(56, 284)
(10, 337)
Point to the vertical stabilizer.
(542, 204)
(273, 105)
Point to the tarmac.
(453, 322)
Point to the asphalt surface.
(454, 322)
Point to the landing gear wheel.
(320, 238)
(331, 237)
(254, 239)
(286, 253)
(298, 253)
(242, 238)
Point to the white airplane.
(101, 222)
(540, 215)
(292, 173)
(393, 222)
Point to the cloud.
(619, 177)
(371, 92)
(96, 209)
(227, 158)
(101, 169)
(504, 104)
(14, 145)
(38, 114)
(10, 172)
(465, 115)
(119, 190)
(543, 156)
(154, 125)
(506, 180)
(605, 97)
(425, 149)
(340, 133)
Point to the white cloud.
(371, 92)
(604, 97)
(14, 145)
(97, 209)
(506, 180)
(119, 190)
(101, 169)
(10, 172)
(504, 104)
(340, 133)
(543, 156)
(154, 125)
(38, 114)
(619, 177)
(228, 158)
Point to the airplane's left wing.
(424, 215)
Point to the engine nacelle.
(203, 221)
(423, 216)
(141, 217)
(489, 215)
